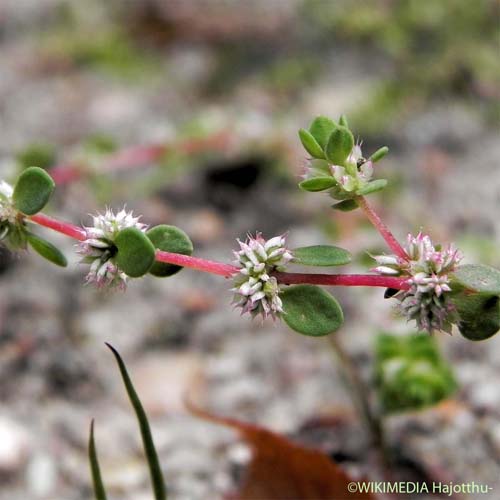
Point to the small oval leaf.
(47, 250)
(169, 239)
(339, 146)
(317, 184)
(478, 278)
(311, 311)
(310, 144)
(345, 206)
(379, 154)
(32, 190)
(321, 255)
(372, 187)
(479, 315)
(321, 129)
(136, 253)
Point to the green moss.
(410, 373)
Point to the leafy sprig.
(118, 247)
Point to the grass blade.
(99, 491)
(159, 488)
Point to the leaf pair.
(136, 250)
(32, 191)
(310, 310)
(327, 140)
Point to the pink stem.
(227, 270)
(60, 226)
(208, 266)
(342, 280)
(136, 156)
(382, 228)
(66, 173)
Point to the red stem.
(60, 226)
(382, 228)
(342, 280)
(227, 270)
(208, 266)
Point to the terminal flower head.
(255, 290)
(428, 268)
(98, 248)
(355, 173)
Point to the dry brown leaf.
(283, 470)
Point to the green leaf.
(47, 250)
(476, 297)
(159, 488)
(379, 154)
(479, 315)
(319, 168)
(310, 144)
(343, 121)
(169, 239)
(14, 235)
(311, 311)
(317, 184)
(33, 190)
(321, 255)
(372, 187)
(321, 129)
(477, 278)
(99, 491)
(136, 253)
(339, 146)
(345, 206)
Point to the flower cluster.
(8, 213)
(98, 248)
(256, 291)
(356, 172)
(427, 267)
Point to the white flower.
(8, 214)
(6, 190)
(427, 268)
(256, 291)
(98, 248)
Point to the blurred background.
(209, 94)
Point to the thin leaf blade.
(157, 481)
(95, 470)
